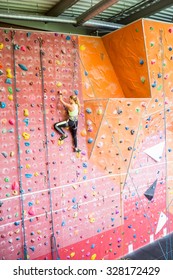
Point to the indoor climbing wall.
(116, 195)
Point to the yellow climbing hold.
(92, 220)
(37, 202)
(59, 84)
(36, 174)
(72, 254)
(8, 73)
(10, 97)
(28, 165)
(26, 135)
(26, 112)
(1, 46)
(93, 257)
(82, 47)
(39, 231)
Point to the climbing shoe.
(63, 137)
(77, 150)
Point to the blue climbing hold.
(16, 223)
(68, 37)
(159, 75)
(93, 246)
(74, 199)
(76, 92)
(27, 144)
(88, 110)
(32, 248)
(63, 223)
(141, 61)
(23, 67)
(90, 140)
(2, 105)
(85, 164)
(86, 73)
(28, 175)
(8, 81)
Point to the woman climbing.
(73, 108)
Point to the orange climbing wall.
(94, 203)
(126, 50)
(99, 80)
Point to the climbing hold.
(26, 135)
(23, 67)
(1, 72)
(16, 47)
(10, 97)
(59, 84)
(76, 92)
(6, 179)
(82, 47)
(72, 254)
(12, 121)
(11, 154)
(99, 111)
(8, 73)
(23, 48)
(4, 154)
(83, 133)
(88, 110)
(10, 90)
(149, 194)
(141, 61)
(90, 140)
(1, 46)
(26, 112)
(93, 257)
(143, 80)
(2, 105)
(170, 30)
(15, 186)
(63, 223)
(31, 211)
(68, 37)
(8, 81)
(28, 175)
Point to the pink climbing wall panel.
(90, 205)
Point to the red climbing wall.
(116, 195)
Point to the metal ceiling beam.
(95, 10)
(89, 23)
(60, 7)
(150, 10)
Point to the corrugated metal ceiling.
(120, 12)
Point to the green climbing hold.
(137, 110)
(10, 90)
(151, 28)
(159, 87)
(6, 179)
(137, 30)
(7, 194)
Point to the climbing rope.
(18, 148)
(54, 250)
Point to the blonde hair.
(76, 100)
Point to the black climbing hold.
(149, 194)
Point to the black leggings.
(73, 128)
